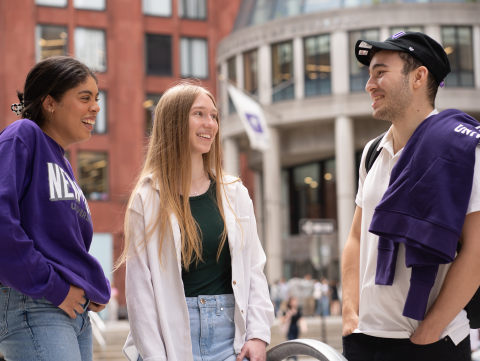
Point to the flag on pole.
(252, 117)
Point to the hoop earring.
(52, 110)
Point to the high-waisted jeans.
(212, 327)
(36, 330)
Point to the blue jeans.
(36, 330)
(212, 327)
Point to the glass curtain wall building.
(297, 58)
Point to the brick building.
(138, 49)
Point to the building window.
(56, 3)
(312, 6)
(317, 65)
(397, 29)
(457, 42)
(150, 104)
(287, 8)
(359, 72)
(282, 71)
(192, 9)
(232, 76)
(250, 71)
(193, 58)
(90, 48)
(311, 192)
(50, 41)
(157, 7)
(262, 12)
(93, 175)
(159, 54)
(89, 4)
(101, 120)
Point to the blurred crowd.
(315, 297)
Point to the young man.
(403, 297)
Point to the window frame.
(183, 16)
(350, 58)
(105, 97)
(53, 6)
(108, 185)
(90, 9)
(155, 15)
(283, 98)
(105, 49)
(207, 60)
(244, 55)
(458, 56)
(38, 47)
(305, 39)
(155, 73)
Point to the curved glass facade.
(254, 12)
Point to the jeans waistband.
(210, 301)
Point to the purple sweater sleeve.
(21, 266)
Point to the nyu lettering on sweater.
(45, 223)
(426, 203)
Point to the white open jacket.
(157, 310)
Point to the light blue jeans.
(36, 330)
(212, 327)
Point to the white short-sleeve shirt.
(381, 307)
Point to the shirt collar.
(387, 141)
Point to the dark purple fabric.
(426, 203)
(45, 223)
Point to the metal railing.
(98, 330)
(319, 350)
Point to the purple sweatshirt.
(45, 223)
(426, 203)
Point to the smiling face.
(74, 116)
(203, 124)
(389, 88)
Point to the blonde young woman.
(195, 285)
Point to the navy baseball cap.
(422, 47)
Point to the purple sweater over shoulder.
(45, 223)
(426, 203)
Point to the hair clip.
(17, 108)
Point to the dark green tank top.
(209, 277)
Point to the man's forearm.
(460, 284)
(351, 276)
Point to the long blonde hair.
(169, 164)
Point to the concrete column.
(299, 68)
(339, 57)
(265, 74)
(384, 33)
(272, 210)
(231, 157)
(258, 205)
(434, 32)
(476, 54)
(345, 167)
(239, 65)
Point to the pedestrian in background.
(325, 298)
(275, 296)
(48, 280)
(195, 283)
(317, 296)
(292, 322)
(335, 299)
(283, 290)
